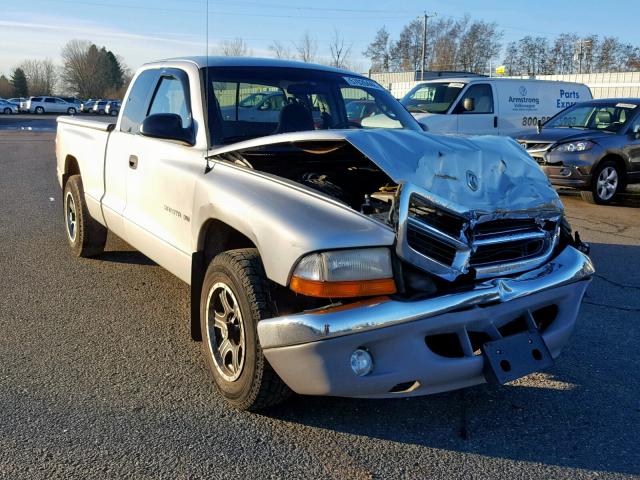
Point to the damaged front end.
(487, 270)
(463, 209)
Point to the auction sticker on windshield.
(362, 82)
(626, 105)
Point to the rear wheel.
(607, 182)
(235, 297)
(85, 235)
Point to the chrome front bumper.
(310, 351)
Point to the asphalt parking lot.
(99, 378)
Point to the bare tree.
(279, 50)
(91, 72)
(307, 48)
(340, 51)
(79, 70)
(378, 51)
(479, 44)
(235, 48)
(406, 53)
(41, 76)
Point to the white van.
(485, 105)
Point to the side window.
(36, 99)
(482, 99)
(49, 100)
(170, 98)
(134, 111)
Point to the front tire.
(235, 297)
(71, 111)
(86, 236)
(39, 110)
(7, 111)
(607, 182)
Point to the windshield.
(434, 97)
(282, 100)
(607, 117)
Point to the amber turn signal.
(361, 288)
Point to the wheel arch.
(620, 162)
(71, 167)
(214, 237)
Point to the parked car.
(50, 105)
(7, 107)
(494, 106)
(264, 106)
(87, 106)
(360, 109)
(16, 101)
(73, 100)
(593, 146)
(112, 108)
(99, 107)
(349, 260)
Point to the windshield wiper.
(418, 110)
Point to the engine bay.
(335, 169)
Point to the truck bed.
(84, 141)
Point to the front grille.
(445, 221)
(430, 245)
(449, 244)
(503, 226)
(507, 252)
(536, 146)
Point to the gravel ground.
(99, 379)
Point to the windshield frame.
(248, 74)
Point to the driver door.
(482, 119)
(161, 181)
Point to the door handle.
(495, 122)
(133, 162)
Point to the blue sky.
(145, 30)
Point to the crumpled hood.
(506, 179)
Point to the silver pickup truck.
(327, 254)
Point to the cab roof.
(215, 61)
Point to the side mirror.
(167, 126)
(469, 105)
(636, 130)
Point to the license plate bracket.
(515, 356)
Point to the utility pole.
(424, 42)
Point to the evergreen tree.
(19, 82)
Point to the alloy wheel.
(225, 332)
(607, 183)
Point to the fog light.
(361, 362)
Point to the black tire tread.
(268, 390)
(91, 236)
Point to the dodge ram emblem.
(472, 180)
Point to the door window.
(134, 111)
(482, 99)
(170, 97)
(49, 100)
